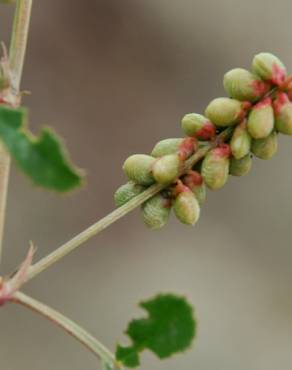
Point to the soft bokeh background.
(114, 77)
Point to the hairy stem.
(118, 213)
(69, 326)
(16, 61)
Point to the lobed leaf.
(169, 328)
(43, 159)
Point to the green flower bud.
(265, 148)
(225, 111)
(138, 168)
(240, 167)
(186, 207)
(241, 141)
(185, 147)
(194, 181)
(269, 67)
(242, 85)
(167, 146)
(155, 211)
(196, 125)
(126, 192)
(215, 167)
(166, 169)
(260, 121)
(283, 113)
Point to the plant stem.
(118, 213)
(19, 42)
(16, 61)
(68, 325)
(4, 179)
(94, 229)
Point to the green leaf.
(169, 328)
(128, 355)
(43, 159)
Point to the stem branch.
(16, 61)
(118, 213)
(94, 229)
(68, 325)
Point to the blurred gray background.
(113, 78)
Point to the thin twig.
(90, 342)
(112, 217)
(19, 42)
(16, 60)
(94, 229)
(4, 179)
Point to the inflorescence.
(257, 109)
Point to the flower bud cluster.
(258, 107)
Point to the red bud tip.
(180, 188)
(263, 103)
(287, 84)
(193, 179)
(260, 88)
(223, 150)
(207, 132)
(281, 99)
(278, 75)
(246, 105)
(187, 148)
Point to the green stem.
(19, 42)
(118, 213)
(16, 60)
(69, 326)
(94, 229)
(4, 179)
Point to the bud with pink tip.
(241, 141)
(242, 85)
(194, 124)
(283, 113)
(269, 68)
(194, 181)
(186, 206)
(260, 121)
(225, 112)
(215, 167)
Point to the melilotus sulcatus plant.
(175, 175)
